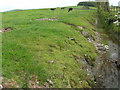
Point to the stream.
(107, 66)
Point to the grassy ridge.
(44, 48)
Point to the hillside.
(44, 48)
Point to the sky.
(6, 5)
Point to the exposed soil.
(10, 83)
(80, 27)
(34, 83)
(6, 29)
(49, 19)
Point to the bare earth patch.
(5, 29)
(49, 19)
(10, 83)
(34, 83)
(80, 27)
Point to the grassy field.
(47, 52)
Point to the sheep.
(70, 9)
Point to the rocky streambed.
(106, 71)
(107, 67)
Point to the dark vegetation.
(91, 4)
(103, 5)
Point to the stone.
(84, 33)
(90, 39)
(80, 27)
(51, 62)
(100, 76)
(106, 47)
(99, 45)
(71, 39)
(50, 82)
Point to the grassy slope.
(32, 46)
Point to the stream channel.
(107, 65)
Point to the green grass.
(32, 46)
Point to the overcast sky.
(34, 4)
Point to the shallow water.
(106, 67)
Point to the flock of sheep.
(69, 9)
